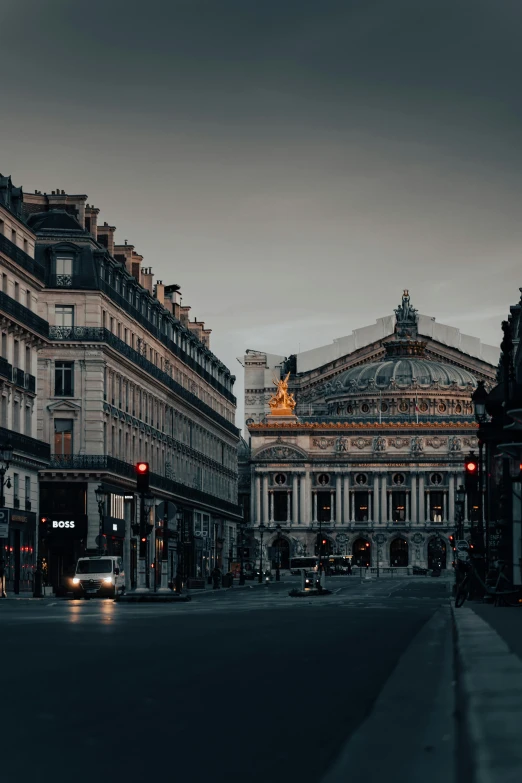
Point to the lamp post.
(460, 499)
(6, 455)
(278, 562)
(262, 529)
(479, 399)
(146, 503)
(241, 553)
(100, 499)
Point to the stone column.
(256, 519)
(370, 506)
(390, 506)
(266, 517)
(346, 498)
(428, 505)
(288, 507)
(352, 506)
(302, 517)
(451, 498)
(407, 509)
(376, 515)
(295, 497)
(338, 499)
(444, 506)
(332, 506)
(414, 517)
(271, 504)
(314, 501)
(384, 502)
(422, 517)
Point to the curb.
(490, 678)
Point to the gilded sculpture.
(282, 403)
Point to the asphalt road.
(246, 685)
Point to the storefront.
(62, 531)
(20, 551)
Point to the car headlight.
(108, 580)
(76, 581)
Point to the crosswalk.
(374, 597)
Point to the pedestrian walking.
(216, 577)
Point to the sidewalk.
(489, 672)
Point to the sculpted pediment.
(64, 406)
(280, 452)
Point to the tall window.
(4, 282)
(28, 366)
(16, 353)
(17, 291)
(4, 411)
(64, 271)
(28, 299)
(16, 416)
(28, 420)
(4, 345)
(63, 379)
(28, 493)
(64, 315)
(63, 437)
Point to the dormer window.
(64, 270)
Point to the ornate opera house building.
(362, 442)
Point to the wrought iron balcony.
(98, 334)
(21, 258)
(16, 310)
(24, 379)
(105, 463)
(25, 444)
(6, 369)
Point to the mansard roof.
(54, 220)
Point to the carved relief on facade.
(341, 444)
(436, 442)
(321, 443)
(279, 453)
(360, 443)
(398, 443)
(379, 444)
(417, 444)
(455, 443)
(471, 442)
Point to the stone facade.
(126, 377)
(373, 458)
(22, 334)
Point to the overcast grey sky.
(292, 164)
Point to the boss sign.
(62, 523)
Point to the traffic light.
(452, 541)
(143, 477)
(143, 547)
(471, 472)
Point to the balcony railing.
(21, 258)
(83, 282)
(24, 379)
(27, 317)
(6, 369)
(25, 444)
(103, 462)
(101, 335)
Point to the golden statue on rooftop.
(282, 403)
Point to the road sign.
(5, 515)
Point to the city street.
(245, 684)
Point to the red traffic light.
(142, 467)
(324, 541)
(471, 466)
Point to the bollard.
(38, 580)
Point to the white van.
(98, 576)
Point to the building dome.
(401, 372)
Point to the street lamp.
(460, 499)
(278, 562)
(100, 499)
(262, 529)
(479, 399)
(6, 455)
(241, 552)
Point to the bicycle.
(465, 585)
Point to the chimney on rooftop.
(146, 279)
(159, 292)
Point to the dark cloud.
(293, 165)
